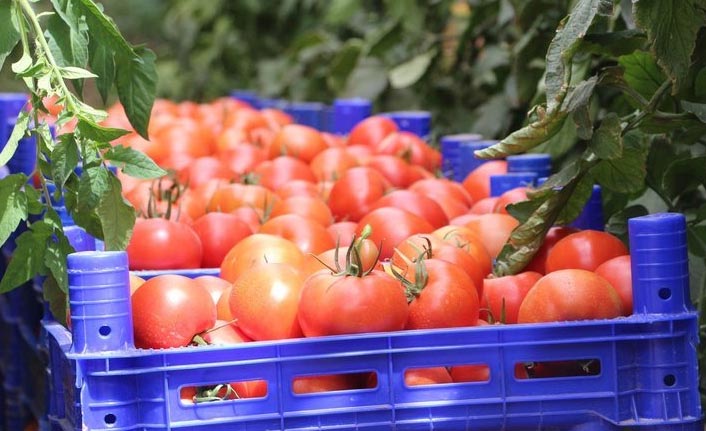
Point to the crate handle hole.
(665, 293)
(557, 369)
(312, 384)
(110, 419)
(670, 380)
(104, 330)
(238, 390)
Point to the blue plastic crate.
(191, 273)
(648, 377)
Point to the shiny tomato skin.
(398, 172)
(493, 230)
(219, 232)
(570, 294)
(310, 207)
(512, 196)
(618, 272)
(448, 299)
(277, 172)
(342, 232)
(264, 301)
(484, 206)
(586, 249)
(502, 296)
(214, 285)
(334, 305)
(416, 203)
(298, 140)
(390, 226)
(308, 234)
(169, 310)
(353, 195)
(371, 131)
(256, 249)
(163, 244)
(539, 261)
(331, 163)
(477, 182)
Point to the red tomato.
(493, 229)
(539, 261)
(214, 285)
(510, 197)
(169, 310)
(268, 290)
(297, 140)
(163, 244)
(353, 195)
(135, 283)
(276, 119)
(256, 249)
(219, 232)
(390, 226)
(201, 170)
(484, 206)
(313, 208)
(426, 376)
(409, 147)
(306, 233)
(361, 153)
(618, 272)
(477, 183)
(298, 188)
(231, 196)
(371, 131)
(243, 158)
(336, 258)
(331, 163)
(465, 239)
(502, 296)
(223, 305)
(224, 333)
(275, 173)
(451, 196)
(445, 297)
(342, 232)
(570, 294)
(415, 203)
(586, 249)
(325, 383)
(332, 304)
(397, 171)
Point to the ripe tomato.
(224, 333)
(163, 244)
(298, 188)
(409, 147)
(477, 183)
(306, 233)
(493, 230)
(251, 216)
(451, 196)
(276, 119)
(243, 158)
(390, 226)
(618, 272)
(371, 131)
(213, 285)
(169, 310)
(231, 196)
(397, 171)
(426, 376)
(510, 197)
(135, 282)
(444, 296)
(256, 249)
(341, 304)
(313, 208)
(586, 249)
(271, 290)
(416, 203)
(465, 239)
(336, 259)
(219, 232)
(324, 383)
(297, 140)
(277, 172)
(353, 195)
(342, 232)
(331, 163)
(223, 305)
(484, 206)
(539, 261)
(570, 294)
(502, 296)
(201, 170)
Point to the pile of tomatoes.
(317, 235)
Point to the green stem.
(54, 66)
(650, 108)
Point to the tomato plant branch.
(650, 108)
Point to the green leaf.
(28, 258)
(10, 34)
(102, 63)
(584, 123)
(55, 256)
(117, 216)
(340, 11)
(384, 39)
(625, 174)
(13, 204)
(23, 64)
(698, 109)
(343, 64)
(70, 72)
(68, 44)
(642, 73)
(560, 143)
(684, 175)
(19, 132)
(56, 298)
(615, 43)
(577, 201)
(672, 27)
(368, 80)
(411, 71)
(64, 158)
(580, 95)
(607, 142)
(133, 163)
(83, 202)
(90, 130)
(136, 79)
(562, 48)
(102, 27)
